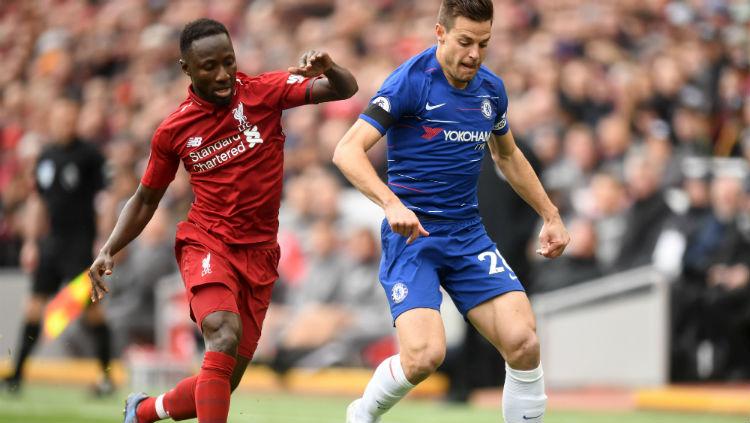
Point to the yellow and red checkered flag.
(67, 305)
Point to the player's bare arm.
(338, 84)
(134, 217)
(351, 158)
(505, 153)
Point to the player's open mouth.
(224, 92)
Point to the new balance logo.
(429, 106)
(252, 136)
(295, 79)
(194, 141)
(430, 133)
(206, 265)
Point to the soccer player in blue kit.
(440, 110)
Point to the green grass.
(47, 404)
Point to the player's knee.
(221, 331)
(522, 353)
(419, 363)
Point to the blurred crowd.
(635, 114)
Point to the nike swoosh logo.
(532, 418)
(430, 107)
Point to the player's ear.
(440, 33)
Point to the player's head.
(208, 59)
(463, 31)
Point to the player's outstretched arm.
(339, 83)
(350, 157)
(134, 217)
(554, 237)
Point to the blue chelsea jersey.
(437, 134)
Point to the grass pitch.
(68, 404)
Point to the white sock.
(387, 386)
(159, 405)
(524, 400)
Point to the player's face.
(212, 67)
(463, 48)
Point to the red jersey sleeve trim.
(309, 91)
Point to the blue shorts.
(459, 256)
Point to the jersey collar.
(207, 106)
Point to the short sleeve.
(501, 126)
(289, 90)
(162, 162)
(395, 98)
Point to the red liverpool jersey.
(234, 155)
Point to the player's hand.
(404, 222)
(101, 266)
(29, 256)
(553, 238)
(312, 63)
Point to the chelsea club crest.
(487, 108)
(399, 292)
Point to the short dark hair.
(476, 10)
(197, 29)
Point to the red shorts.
(221, 277)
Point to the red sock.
(179, 402)
(146, 411)
(212, 389)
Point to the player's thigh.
(408, 273)
(507, 321)
(210, 281)
(255, 294)
(475, 271)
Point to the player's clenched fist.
(312, 63)
(101, 266)
(553, 238)
(404, 222)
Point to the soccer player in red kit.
(228, 136)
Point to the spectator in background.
(605, 202)
(580, 159)
(131, 308)
(60, 231)
(338, 306)
(709, 304)
(646, 215)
